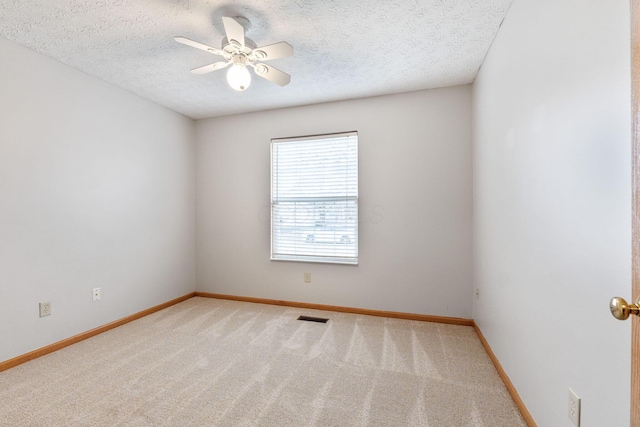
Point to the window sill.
(318, 260)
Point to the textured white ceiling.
(343, 48)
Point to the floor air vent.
(313, 319)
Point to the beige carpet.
(207, 362)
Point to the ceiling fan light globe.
(238, 77)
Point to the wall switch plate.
(96, 294)
(574, 408)
(45, 309)
(307, 277)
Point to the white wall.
(552, 209)
(96, 190)
(415, 204)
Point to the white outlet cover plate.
(96, 294)
(574, 408)
(45, 309)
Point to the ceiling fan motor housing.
(231, 48)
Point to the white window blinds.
(314, 198)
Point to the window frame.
(323, 259)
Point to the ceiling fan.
(241, 52)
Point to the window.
(314, 198)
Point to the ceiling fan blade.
(209, 68)
(197, 45)
(272, 74)
(234, 31)
(273, 51)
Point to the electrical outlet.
(96, 294)
(45, 309)
(477, 293)
(574, 408)
(307, 277)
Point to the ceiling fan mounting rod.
(246, 24)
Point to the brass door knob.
(621, 309)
